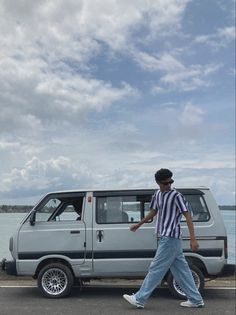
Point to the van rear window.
(198, 208)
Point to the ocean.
(10, 221)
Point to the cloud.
(218, 177)
(166, 62)
(164, 15)
(45, 69)
(174, 74)
(5, 145)
(130, 169)
(183, 123)
(192, 115)
(39, 176)
(32, 98)
(227, 33)
(84, 24)
(222, 38)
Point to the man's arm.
(151, 214)
(193, 242)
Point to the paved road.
(108, 301)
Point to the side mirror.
(32, 218)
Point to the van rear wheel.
(55, 280)
(176, 289)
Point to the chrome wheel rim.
(179, 290)
(54, 281)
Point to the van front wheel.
(55, 280)
(176, 289)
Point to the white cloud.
(46, 40)
(227, 33)
(5, 145)
(190, 77)
(192, 115)
(39, 176)
(219, 180)
(220, 39)
(32, 97)
(128, 168)
(174, 74)
(166, 62)
(83, 24)
(206, 162)
(166, 15)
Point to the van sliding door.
(116, 250)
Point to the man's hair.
(163, 174)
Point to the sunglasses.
(168, 183)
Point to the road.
(108, 301)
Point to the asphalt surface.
(109, 301)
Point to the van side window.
(198, 208)
(121, 209)
(60, 209)
(47, 209)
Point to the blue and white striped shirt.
(170, 205)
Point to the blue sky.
(101, 94)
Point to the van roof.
(127, 189)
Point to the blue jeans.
(169, 255)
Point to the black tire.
(176, 290)
(55, 280)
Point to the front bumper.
(9, 267)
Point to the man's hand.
(193, 242)
(134, 227)
(148, 217)
(194, 245)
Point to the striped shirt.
(170, 205)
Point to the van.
(76, 236)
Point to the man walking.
(169, 205)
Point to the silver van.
(75, 236)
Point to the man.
(168, 205)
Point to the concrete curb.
(229, 282)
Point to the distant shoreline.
(26, 209)
(15, 209)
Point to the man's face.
(165, 185)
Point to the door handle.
(75, 232)
(100, 235)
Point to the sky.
(102, 93)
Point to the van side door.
(116, 250)
(57, 230)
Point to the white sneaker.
(132, 300)
(190, 304)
